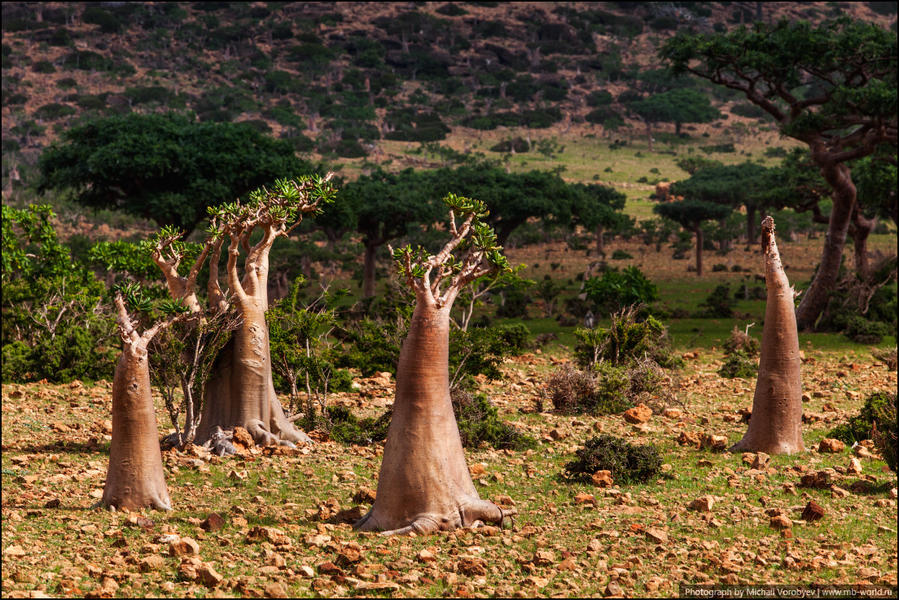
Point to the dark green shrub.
(53, 111)
(518, 144)
(627, 341)
(741, 341)
(66, 83)
(343, 426)
(515, 304)
(749, 110)
(480, 351)
(860, 427)
(617, 289)
(599, 98)
(107, 21)
(620, 255)
(863, 331)
(720, 148)
(370, 346)
(718, 304)
(43, 66)
(451, 10)
(884, 432)
(739, 364)
(479, 424)
(628, 463)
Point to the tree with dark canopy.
(165, 167)
(832, 87)
(690, 214)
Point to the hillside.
(355, 83)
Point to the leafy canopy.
(166, 167)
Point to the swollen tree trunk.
(424, 484)
(135, 478)
(815, 297)
(776, 423)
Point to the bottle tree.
(135, 477)
(832, 87)
(240, 391)
(776, 423)
(424, 484)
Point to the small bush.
(626, 341)
(572, 391)
(741, 341)
(863, 331)
(884, 432)
(738, 364)
(718, 304)
(53, 111)
(628, 463)
(343, 426)
(860, 427)
(43, 66)
(479, 423)
(617, 289)
(620, 255)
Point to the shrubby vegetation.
(628, 463)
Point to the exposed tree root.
(470, 514)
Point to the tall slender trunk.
(649, 135)
(815, 297)
(424, 484)
(135, 478)
(368, 270)
(699, 242)
(599, 235)
(776, 423)
(750, 224)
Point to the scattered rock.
(781, 522)
(717, 443)
(855, 466)
(761, 461)
(14, 551)
(638, 414)
(208, 576)
(151, 563)
(672, 413)
(269, 534)
(53, 503)
(838, 492)
(831, 445)
(242, 437)
(365, 496)
(213, 522)
(689, 438)
(544, 558)
(426, 556)
(584, 498)
(602, 478)
(813, 511)
(557, 434)
(184, 546)
(350, 515)
(656, 535)
(473, 566)
(275, 590)
(819, 479)
(702, 504)
(613, 589)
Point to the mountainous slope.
(339, 78)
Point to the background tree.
(678, 106)
(690, 214)
(165, 167)
(381, 207)
(832, 87)
(424, 484)
(598, 208)
(730, 185)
